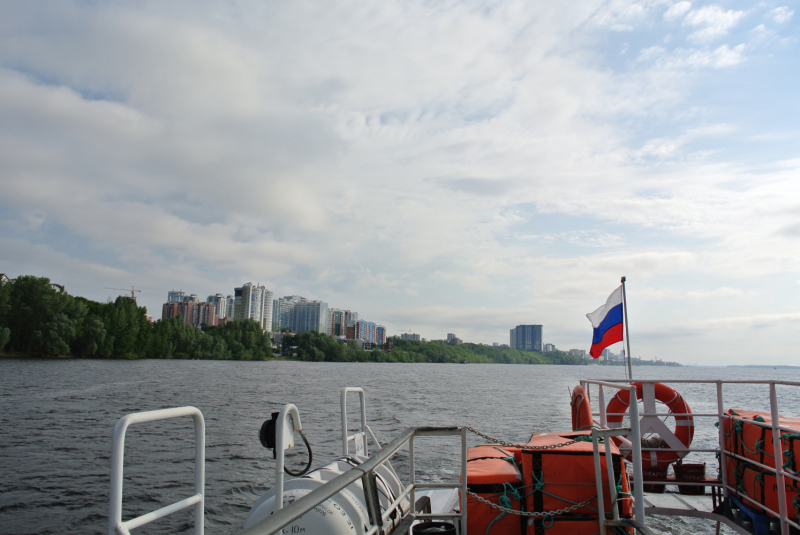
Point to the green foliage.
(245, 339)
(38, 318)
(42, 319)
(314, 346)
(5, 336)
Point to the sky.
(438, 166)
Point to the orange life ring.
(581, 409)
(684, 425)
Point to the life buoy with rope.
(684, 424)
(581, 409)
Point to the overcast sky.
(436, 166)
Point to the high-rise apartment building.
(339, 319)
(194, 314)
(366, 331)
(527, 338)
(410, 336)
(300, 315)
(380, 334)
(255, 302)
(221, 302)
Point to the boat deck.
(710, 506)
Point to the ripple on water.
(57, 418)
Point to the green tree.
(42, 318)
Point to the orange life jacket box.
(570, 526)
(559, 477)
(754, 441)
(492, 473)
(762, 487)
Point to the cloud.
(781, 14)
(712, 22)
(677, 10)
(713, 294)
(389, 157)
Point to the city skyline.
(446, 167)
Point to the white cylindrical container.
(343, 513)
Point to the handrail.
(774, 425)
(345, 437)
(115, 524)
(285, 516)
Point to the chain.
(525, 446)
(542, 514)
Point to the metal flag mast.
(627, 338)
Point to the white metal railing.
(115, 524)
(359, 439)
(366, 473)
(782, 515)
(634, 436)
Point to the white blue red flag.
(607, 323)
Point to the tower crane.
(132, 291)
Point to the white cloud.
(389, 157)
(720, 58)
(712, 22)
(781, 14)
(677, 10)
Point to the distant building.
(549, 347)
(221, 302)
(410, 336)
(380, 334)
(338, 320)
(365, 330)
(300, 315)
(578, 352)
(177, 296)
(253, 301)
(194, 314)
(454, 340)
(513, 339)
(495, 344)
(527, 338)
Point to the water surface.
(57, 418)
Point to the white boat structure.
(360, 493)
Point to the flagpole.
(627, 337)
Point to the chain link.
(525, 446)
(542, 514)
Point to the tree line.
(314, 346)
(38, 318)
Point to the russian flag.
(607, 323)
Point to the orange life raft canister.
(564, 475)
(762, 486)
(492, 473)
(753, 441)
(581, 409)
(684, 425)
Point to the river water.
(57, 416)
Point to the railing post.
(602, 400)
(343, 402)
(411, 471)
(464, 524)
(636, 451)
(598, 478)
(778, 451)
(723, 464)
(373, 503)
(115, 524)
